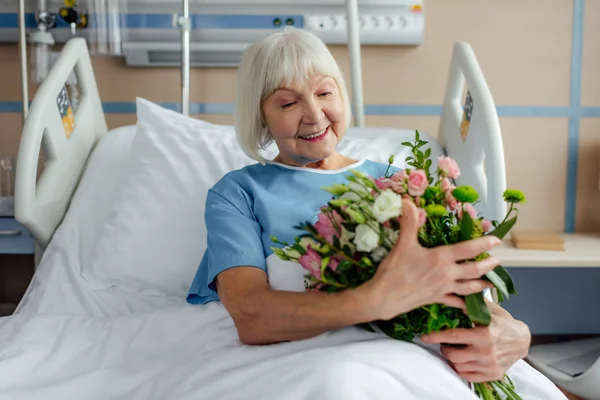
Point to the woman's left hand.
(487, 351)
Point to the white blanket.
(193, 352)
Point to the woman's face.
(307, 120)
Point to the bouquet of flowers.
(360, 224)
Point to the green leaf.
(344, 265)
(502, 229)
(505, 276)
(466, 227)
(427, 153)
(336, 242)
(407, 144)
(347, 251)
(499, 283)
(477, 310)
(344, 280)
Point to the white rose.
(366, 238)
(387, 205)
(351, 194)
(379, 254)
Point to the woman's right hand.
(412, 276)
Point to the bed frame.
(40, 205)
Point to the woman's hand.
(412, 276)
(487, 351)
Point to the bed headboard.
(67, 138)
(470, 132)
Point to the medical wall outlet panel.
(221, 29)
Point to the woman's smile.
(317, 136)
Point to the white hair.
(289, 55)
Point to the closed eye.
(325, 94)
(286, 105)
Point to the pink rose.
(399, 176)
(468, 207)
(451, 201)
(422, 216)
(311, 261)
(447, 186)
(449, 167)
(326, 228)
(417, 182)
(486, 225)
(383, 183)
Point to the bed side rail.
(67, 138)
(470, 132)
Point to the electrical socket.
(366, 22)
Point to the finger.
(469, 249)
(454, 301)
(476, 269)
(475, 372)
(466, 288)
(474, 377)
(466, 336)
(470, 367)
(460, 355)
(409, 225)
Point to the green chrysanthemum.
(514, 196)
(430, 193)
(465, 194)
(435, 210)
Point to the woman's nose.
(313, 113)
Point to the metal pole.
(185, 59)
(355, 61)
(23, 54)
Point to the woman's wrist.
(369, 300)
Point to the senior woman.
(290, 90)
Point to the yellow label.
(66, 112)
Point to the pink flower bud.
(449, 167)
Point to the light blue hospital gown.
(248, 206)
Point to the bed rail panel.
(470, 132)
(67, 138)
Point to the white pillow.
(155, 236)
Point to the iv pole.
(23, 55)
(355, 63)
(183, 21)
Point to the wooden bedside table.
(556, 288)
(17, 250)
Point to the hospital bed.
(69, 335)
